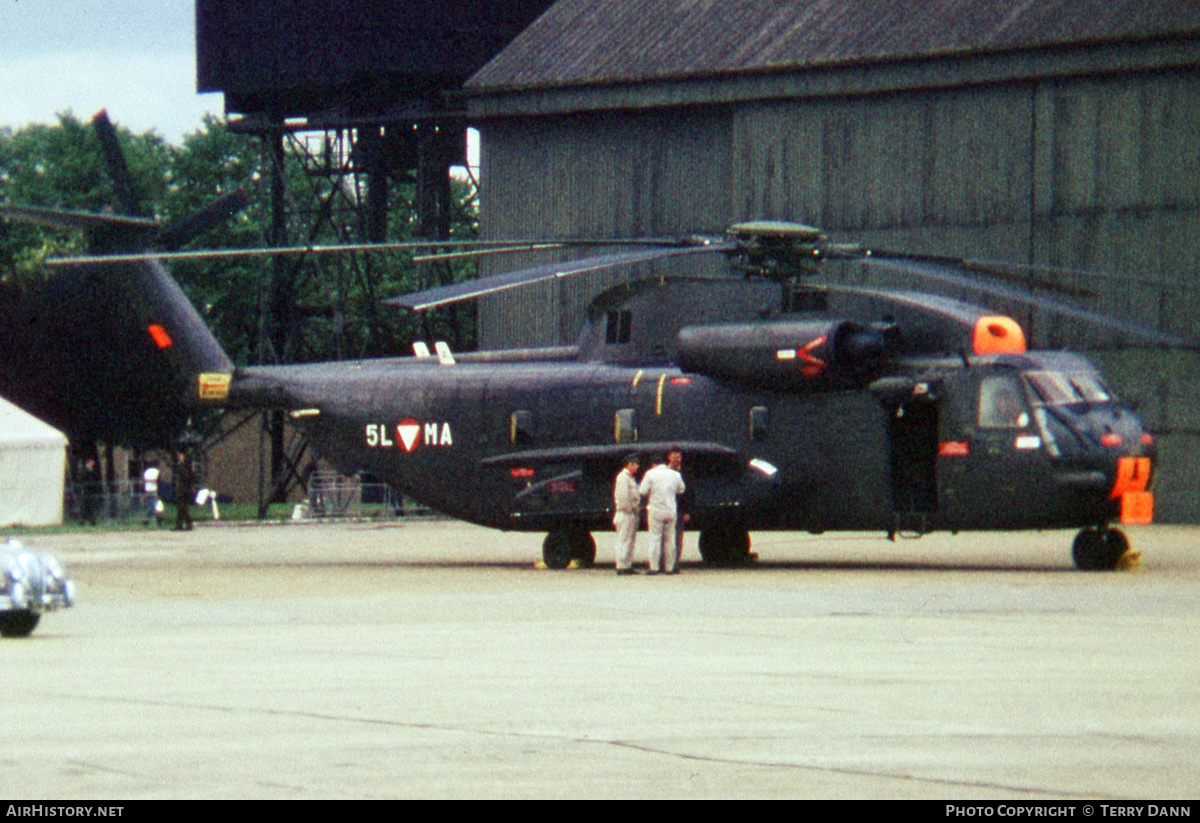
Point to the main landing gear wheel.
(725, 546)
(561, 546)
(1099, 549)
(18, 623)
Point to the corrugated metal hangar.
(1056, 132)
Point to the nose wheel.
(1099, 549)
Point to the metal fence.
(332, 495)
(101, 502)
(329, 496)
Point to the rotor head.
(778, 250)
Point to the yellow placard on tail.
(213, 385)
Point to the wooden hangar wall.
(594, 175)
(1086, 160)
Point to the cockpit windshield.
(1063, 388)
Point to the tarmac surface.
(427, 658)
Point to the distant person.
(628, 502)
(185, 491)
(662, 486)
(150, 479)
(89, 483)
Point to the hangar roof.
(590, 42)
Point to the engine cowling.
(788, 354)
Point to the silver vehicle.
(29, 585)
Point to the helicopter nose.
(1121, 431)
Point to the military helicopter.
(797, 406)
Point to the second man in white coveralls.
(662, 485)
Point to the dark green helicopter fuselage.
(792, 421)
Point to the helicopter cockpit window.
(618, 327)
(1060, 389)
(1001, 405)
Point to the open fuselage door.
(913, 433)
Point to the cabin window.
(520, 427)
(624, 426)
(1001, 405)
(760, 422)
(618, 327)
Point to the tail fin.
(113, 351)
(146, 291)
(179, 334)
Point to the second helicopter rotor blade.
(118, 169)
(184, 229)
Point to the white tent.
(33, 460)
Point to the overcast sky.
(136, 58)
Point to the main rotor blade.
(517, 246)
(935, 272)
(483, 246)
(225, 254)
(1020, 273)
(1026, 274)
(442, 295)
(467, 255)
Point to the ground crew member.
(185, 492)
(89, 501)
(662, 485)
(150, 485)
(628, 502)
